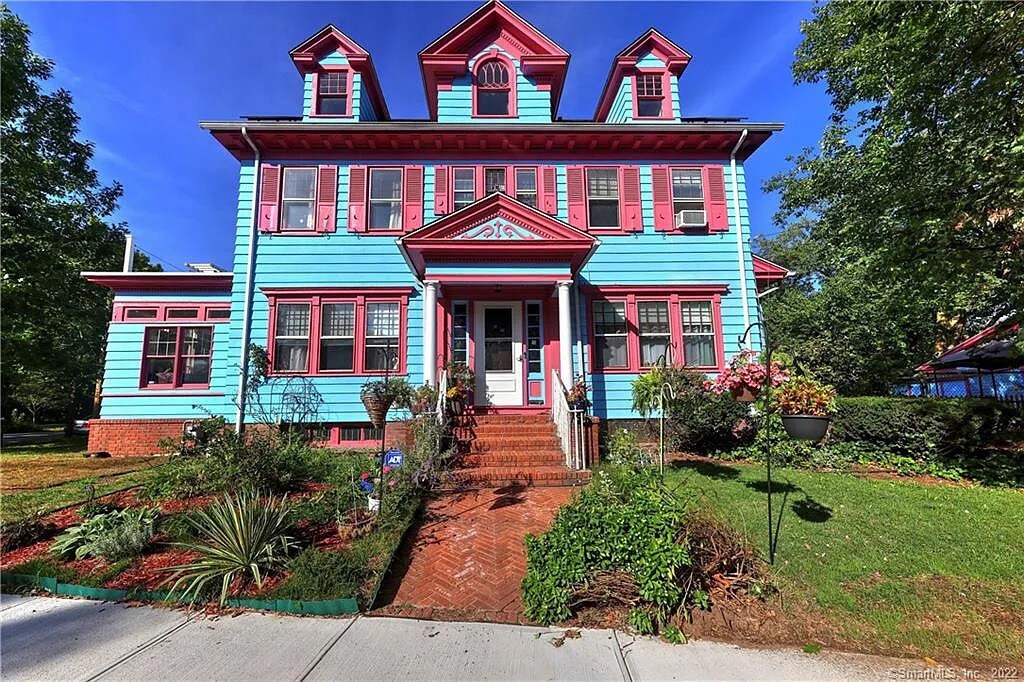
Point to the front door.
(499, 353)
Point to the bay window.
(177, 357)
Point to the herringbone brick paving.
(467, 558)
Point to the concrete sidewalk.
(43, 638)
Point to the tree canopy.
(56, 217)
(910, 217)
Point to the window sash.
(603, 197)
(526, 186)
(298, 196)
(697, 322)
(291, 337)
(463, 187)
(611, 337)
(687, 190)
(495, 180)
(654, 331)
(382, 328)
(386, 190)
(337, 334)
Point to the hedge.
(925, 426)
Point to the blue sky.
(143, 75)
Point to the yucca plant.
(243, 535)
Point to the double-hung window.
(463, 187)
(291, 338)
(655, 332)
(494, 181)
(603, 197)
(385, 199)
(526, 186)
(337, 336)
(332, 93)
(382, 330)
(688, 197)
(610, 335)
(698, 327)
(649, 95)
(176, 357)
(298, 198)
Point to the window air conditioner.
(691, 219)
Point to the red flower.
(386, 470)
(364, 477)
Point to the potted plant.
(380, 395)
(746, 375)
(806, 407)
(576, 396)
(460, 386)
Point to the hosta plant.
(803, 395)
(114, 535)
(241, 537)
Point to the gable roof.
(448, 56)
(498, 228)
(651, 41)
(307, 55)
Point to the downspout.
(739, 229)
(250, 267)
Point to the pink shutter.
(577, 193)
(661, 188)
(270, 195)
(714, 196)
(412, 206)
(357, 199)
(630, 217)
(440, 190)
(327, 199)
(549, 190)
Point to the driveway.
(46, 638)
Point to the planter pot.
(376, 409)
(743, 395)
(806, 426)
(373, 504)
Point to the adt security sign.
(394, 458)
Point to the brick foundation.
(127, 437)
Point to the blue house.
(537, 251)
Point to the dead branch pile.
(606, 588)
(722, 563)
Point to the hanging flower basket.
(376, 409)
(742, 394)
(806, 426)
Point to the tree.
(55, 216)
(914, 205)
(37, 391)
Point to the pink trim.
(674, 57)
(484, 279)
(154, 393)
(536, 389)
(178, 365)
(314, 106)
(307, 55)
(360, 298)
(494, 55)
(161, 281)
(448, 56)
(673, 295)
(163, 307)
(767, 273)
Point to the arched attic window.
(493, 83)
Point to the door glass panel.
(498, 340)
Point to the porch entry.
(498, 326)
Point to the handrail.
(442, 397)
(569, 425)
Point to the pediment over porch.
(497, 228)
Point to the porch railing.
(570, 425)
(441, 409)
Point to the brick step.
(514, 459)
(496, 477)
(506, 429)
(518, 444)
(481, 419)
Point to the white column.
(430, 333)
(564, 334)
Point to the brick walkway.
(466, 560)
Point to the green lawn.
(928, 570)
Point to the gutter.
(250, 268)
(739, 229)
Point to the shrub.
(624, 449)
(322, 575)
(114, 535)
(624, 520)
(242, 537)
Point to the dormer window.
(650, 96)
(493, 88)
(332, 93)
